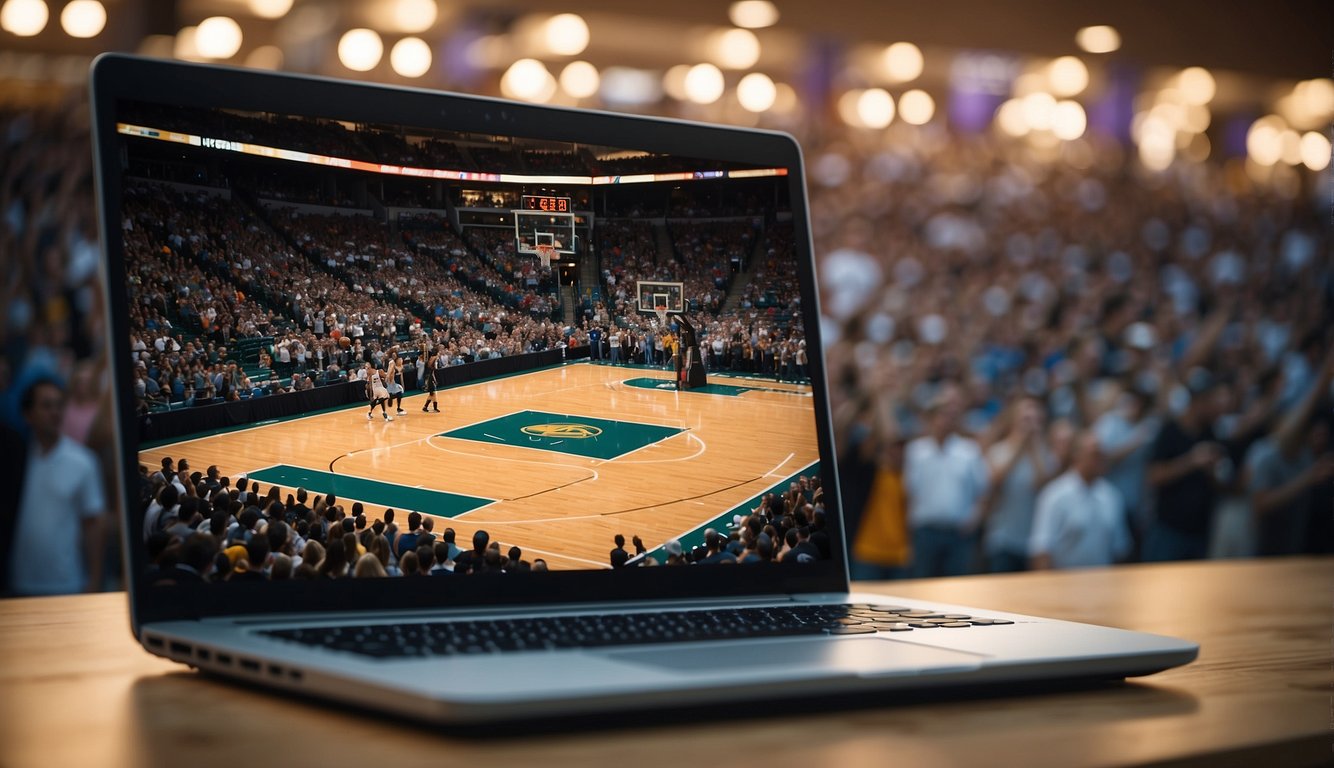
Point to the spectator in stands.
(1184, 475)
(59, 532)
(1080, 518)
(945, 477)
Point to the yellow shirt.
(882, 538)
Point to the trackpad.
(866, 656)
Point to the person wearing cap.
(674, 552)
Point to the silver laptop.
(478, 411)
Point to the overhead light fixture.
(903, 62)
(360, 50)
(1098, 39)
(83, 18)
(24, 18)
(566, 34)
(410, 57)
(753, 14)
(756, 92)
(218, 37)
(704, 84)
(270, 9)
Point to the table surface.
(75, 689)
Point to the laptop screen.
(361, 347)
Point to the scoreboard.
(546, 203)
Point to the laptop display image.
(421, 390)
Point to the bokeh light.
(218, 37)
(580, 79)
(360, 50)
(704, 84)
(566, 34)
(411, 57)
(903, 62)
(24, 18)
(83, 18)
(1098, 39)
(753, 14)
(916, 107)
(756, 92)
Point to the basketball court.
(556, 461)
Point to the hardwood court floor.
(556, 461)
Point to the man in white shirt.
(945, 477)
(59, 536)
(1080, 519)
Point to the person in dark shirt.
(1183, 475)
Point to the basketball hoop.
(544, 254)
(661, 312)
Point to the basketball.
(335, 334)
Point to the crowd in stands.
(1043, 365)
(206, 270)
(1059, 326)
(203, 527)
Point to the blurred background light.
(1068, 76)
(415, 15)
(1098, 39)
(753, 14)
(270, 9)
(24, 18)
(903, 62)
(756, 92)
(566, 34)
(735, 49)
(360, 50)
(410, 57)
(916, 107)
(704, 84)
(218, 37)
(83, 18)
(528, 80)
(580, 79)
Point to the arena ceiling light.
(1315, 151)
(1098, 39)
(529, 80)
(902, 62)
(83, 18)
(674, 82)
(734, 49)
(1010, 118)
(270, 9)
(360, 50)
(875, 108)
(756, 92)
(1197, 86)
(916, 107)
(411, 57)
(753, 14)
(1068, 76)
(415, 15)
(1068, 120)
(566, 34)
(580, 79)
(24, 18)
(218, 37)
(704, 84)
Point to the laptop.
(478, 411)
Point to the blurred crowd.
(1037, 358)
(1066, 360)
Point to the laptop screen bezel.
(116, 79)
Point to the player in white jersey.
(375, 390)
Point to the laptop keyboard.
(449, 638)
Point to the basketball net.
(661, 312)
(544, 254)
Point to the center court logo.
(563, 431)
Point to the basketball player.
(394, 380)
(377, 393)
(432, 357)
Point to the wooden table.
(75, 690)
